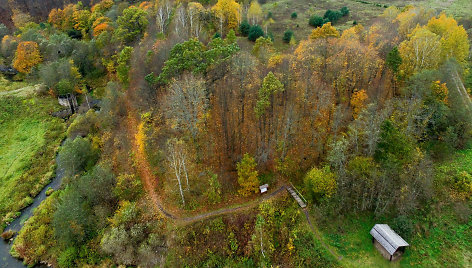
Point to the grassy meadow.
(29, 138)
(362, 12)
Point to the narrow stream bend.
(6, 260)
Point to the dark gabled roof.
(387, 237)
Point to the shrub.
(332, 16)
(7, 234)
(3, 30)
(344, 11)
(244, 28)
(287, 36)
(294, 15)
(255, 32)
(403, 226)
(67, 257)
(64, 86)
(49, 191)
(316, 21)
(216, 35)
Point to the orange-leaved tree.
(27, 56)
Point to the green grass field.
(29, 138)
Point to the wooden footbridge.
(296, 195)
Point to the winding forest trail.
(144, 169)
(149, 181)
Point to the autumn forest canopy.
(187, 107)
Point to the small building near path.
(263, 188)
(388, 242)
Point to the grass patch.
(7, 85)
(29, 138)
(440, 240)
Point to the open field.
(363, 12)
(29, 137)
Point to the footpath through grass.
(29, 138)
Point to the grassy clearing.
(441, 238)
(7, 85)
(440, 241)
(29, 138)
(362, 11)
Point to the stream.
(6, 260)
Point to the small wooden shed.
(263, 188)
(389, 243)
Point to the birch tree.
(176, 157)
(187, 104)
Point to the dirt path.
(149, 180)
(318, 236)
(144, 169)
(24, 90)
(229, 210)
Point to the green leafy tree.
(287, 36)
(394, 147)
(270, 86)
(294, 15)
(123, 67)
(344, 11)
(332, 16)
(316, 21)
(192, 56)
(84, 207)
(244, 28)
(394, 59)
(131, 24)
(230, 37)
(255, 32)
(321, 183)
(247, 175)
(76, 155)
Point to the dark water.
(6, 260)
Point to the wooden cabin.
(387, 242)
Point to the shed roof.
(387, 237)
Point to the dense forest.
(186, 108)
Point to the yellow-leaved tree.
(228, 12)
(429, 46)
(255, 12)
(454, 40)
(247, 175)
(26, 56)
(422, 51)
(358, 102)
(321, 183)
(324, 32)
